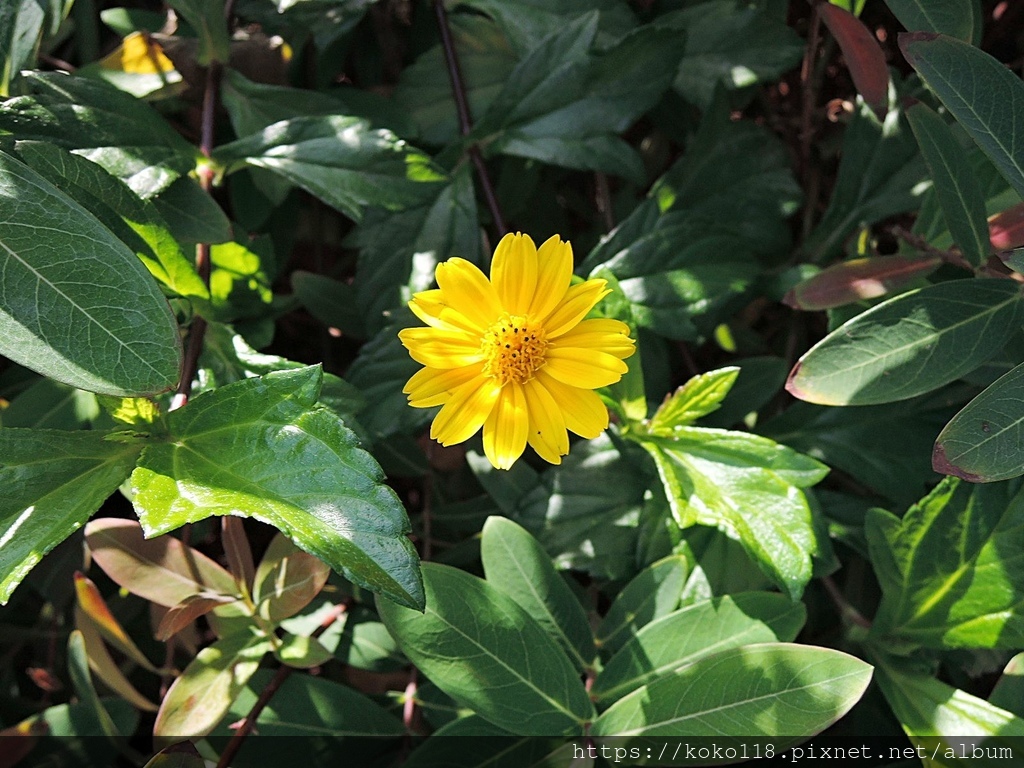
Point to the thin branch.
(808, 97)
(846, 611)
(451, 58)
(604, 200)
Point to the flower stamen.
(513, 349)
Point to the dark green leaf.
(686, 635)
(48, 404)
(53, 481)
(985, 97)
(247, 448)
(760, 380)
(486, 652)
(910, 344)
(958, 191)
(78, 669)
(950, 17)
(516, 564)
(56, 315)
(982, 442)
(1008, 692)
(207, 18)
(191, 214)
(954, 568)
(732, 43)
(330, 301)
(748, 487)
(771, 689)
(23, 23)
(341, 160)
(652, 594)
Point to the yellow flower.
(514, 355)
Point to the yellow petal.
(579, 300)
(547, 424)
(583, 410)
(466, 411)
(602, 334)
(554, 272)
(441, 349)
(514, 272)
(586, 368)
(429, 306)
(430, 386)
(466, 290)
(506, 428)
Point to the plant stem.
(451, 58)
(846, 611)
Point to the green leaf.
(516, 565)
(312, 708)
(192, 215)
(486, 652)
(247, 448)
(881, 174)
(53, 481)
(958, 191)
(949, 17)
(910, 344)
(207, 18)
(330, 301)
(78, 669)
(287, 580)
(981, 443)
(686, 635)
(747, 487)
(732, 43)
(161, 570)
(117, 131)
(885, 447)
(783, 691)
(938, 717)
(399, 251)
(985, 97)
(586, 511)
(1008, 692)
(301, 652)
(200, 697)
(701, 395)
(954, 568)
(341, 160)
(48, 404)
(180, 755)
(472, 742)
(56, 316)
(23, 23)
(652, 594)
(135, 221)
(65, 724)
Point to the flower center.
(513, 349)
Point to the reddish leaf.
(863, 54)
(20, 739)
(858, 279)
(237, 550)
(103, 665)
(1006, 229)
(287, 579)
(92, 604)
(162, 569)
(187, 611)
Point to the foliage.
(222, 519)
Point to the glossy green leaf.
(119, 132)
(55, 314)
(247, 448)
(516, 564)
(135, 221)
(789, 692)
(652, 594)
(956, 187)
(486, 652)
(341, 160)
(938, 717)
(207, 18)
(53, 481)
(732, 43)
(955, 568)
(910, 344)
(686, 635)
(287, 580)
(949, 17)
(698, 397)
(203, 693)
(162, 569)
(982, 442)
(748, 487)
(985, 97)
(881, 173)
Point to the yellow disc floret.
(513, 349)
